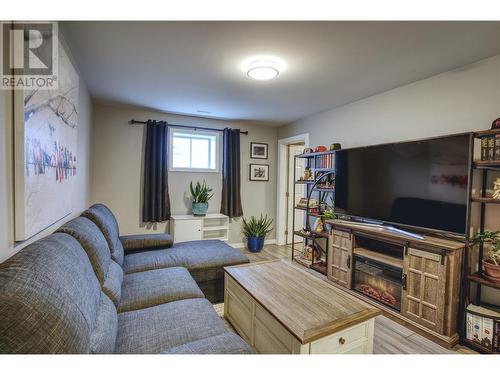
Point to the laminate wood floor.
(390, 337)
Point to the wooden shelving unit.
(487, 164)
(480, 133)
(476, 347)
(480, 279)
(476, 277)
(485, 200)
(316, 214)
(322, 168)
(312, 234)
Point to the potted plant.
(255, 230)
(201, 194)
(491, 264)
(328, 214)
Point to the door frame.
(281, 203)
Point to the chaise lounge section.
(67, 293)
(205, 260)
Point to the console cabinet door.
(424, 288)
(339, 257)
(187, 230)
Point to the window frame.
(218, 151)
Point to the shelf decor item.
(491, 265)
(328, 214)
(318, 225)
(320, 149)
(313, 203)
(258, 150)
(495, 124)
(496, 188)
(259, 172)
(335, 146)
(310, 251)
(201, 194)
(256, 230)
(307, 174)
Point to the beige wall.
(460, 100)
(118, 152)
(457, 101)
(81, 197)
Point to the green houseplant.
(256, 230)
(201, 194)
(491, 264)
(328, 214)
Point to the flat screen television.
(420, 184)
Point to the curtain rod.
(132, 122)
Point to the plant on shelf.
(492, 263)
(201, 194)
(328, 214)
(255, 230)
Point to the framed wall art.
(259, 172)
(258, 150)
(45, 142)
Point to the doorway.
(286, 198)
(294, 195)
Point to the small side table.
(193, 228)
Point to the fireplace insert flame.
(378, 281)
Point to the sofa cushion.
(113, 283)
(203, 259)
(141, 242)
(149, 260)
(158, 328)
(49, 296)
(150, 288)
(106, 221)
(92, 241)
(226, 343)
(103, 336)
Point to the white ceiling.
(187, 67)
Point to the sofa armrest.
(143, 242)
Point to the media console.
(412, 279)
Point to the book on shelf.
(325, 161)
(488, 143)
(483, 327)
(484, 148)
(497, 147)
(491, 148)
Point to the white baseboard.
(239, 245)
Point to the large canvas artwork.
(46, 125)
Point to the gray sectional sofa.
(80, 291)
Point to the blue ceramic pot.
(255, 244)
(200, 209)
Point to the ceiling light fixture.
(263, 70)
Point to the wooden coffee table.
(278, 308)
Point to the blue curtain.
(156, 202)
(231, 181)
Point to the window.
(194, 151)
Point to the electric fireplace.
(378, 281)
(378, 270)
